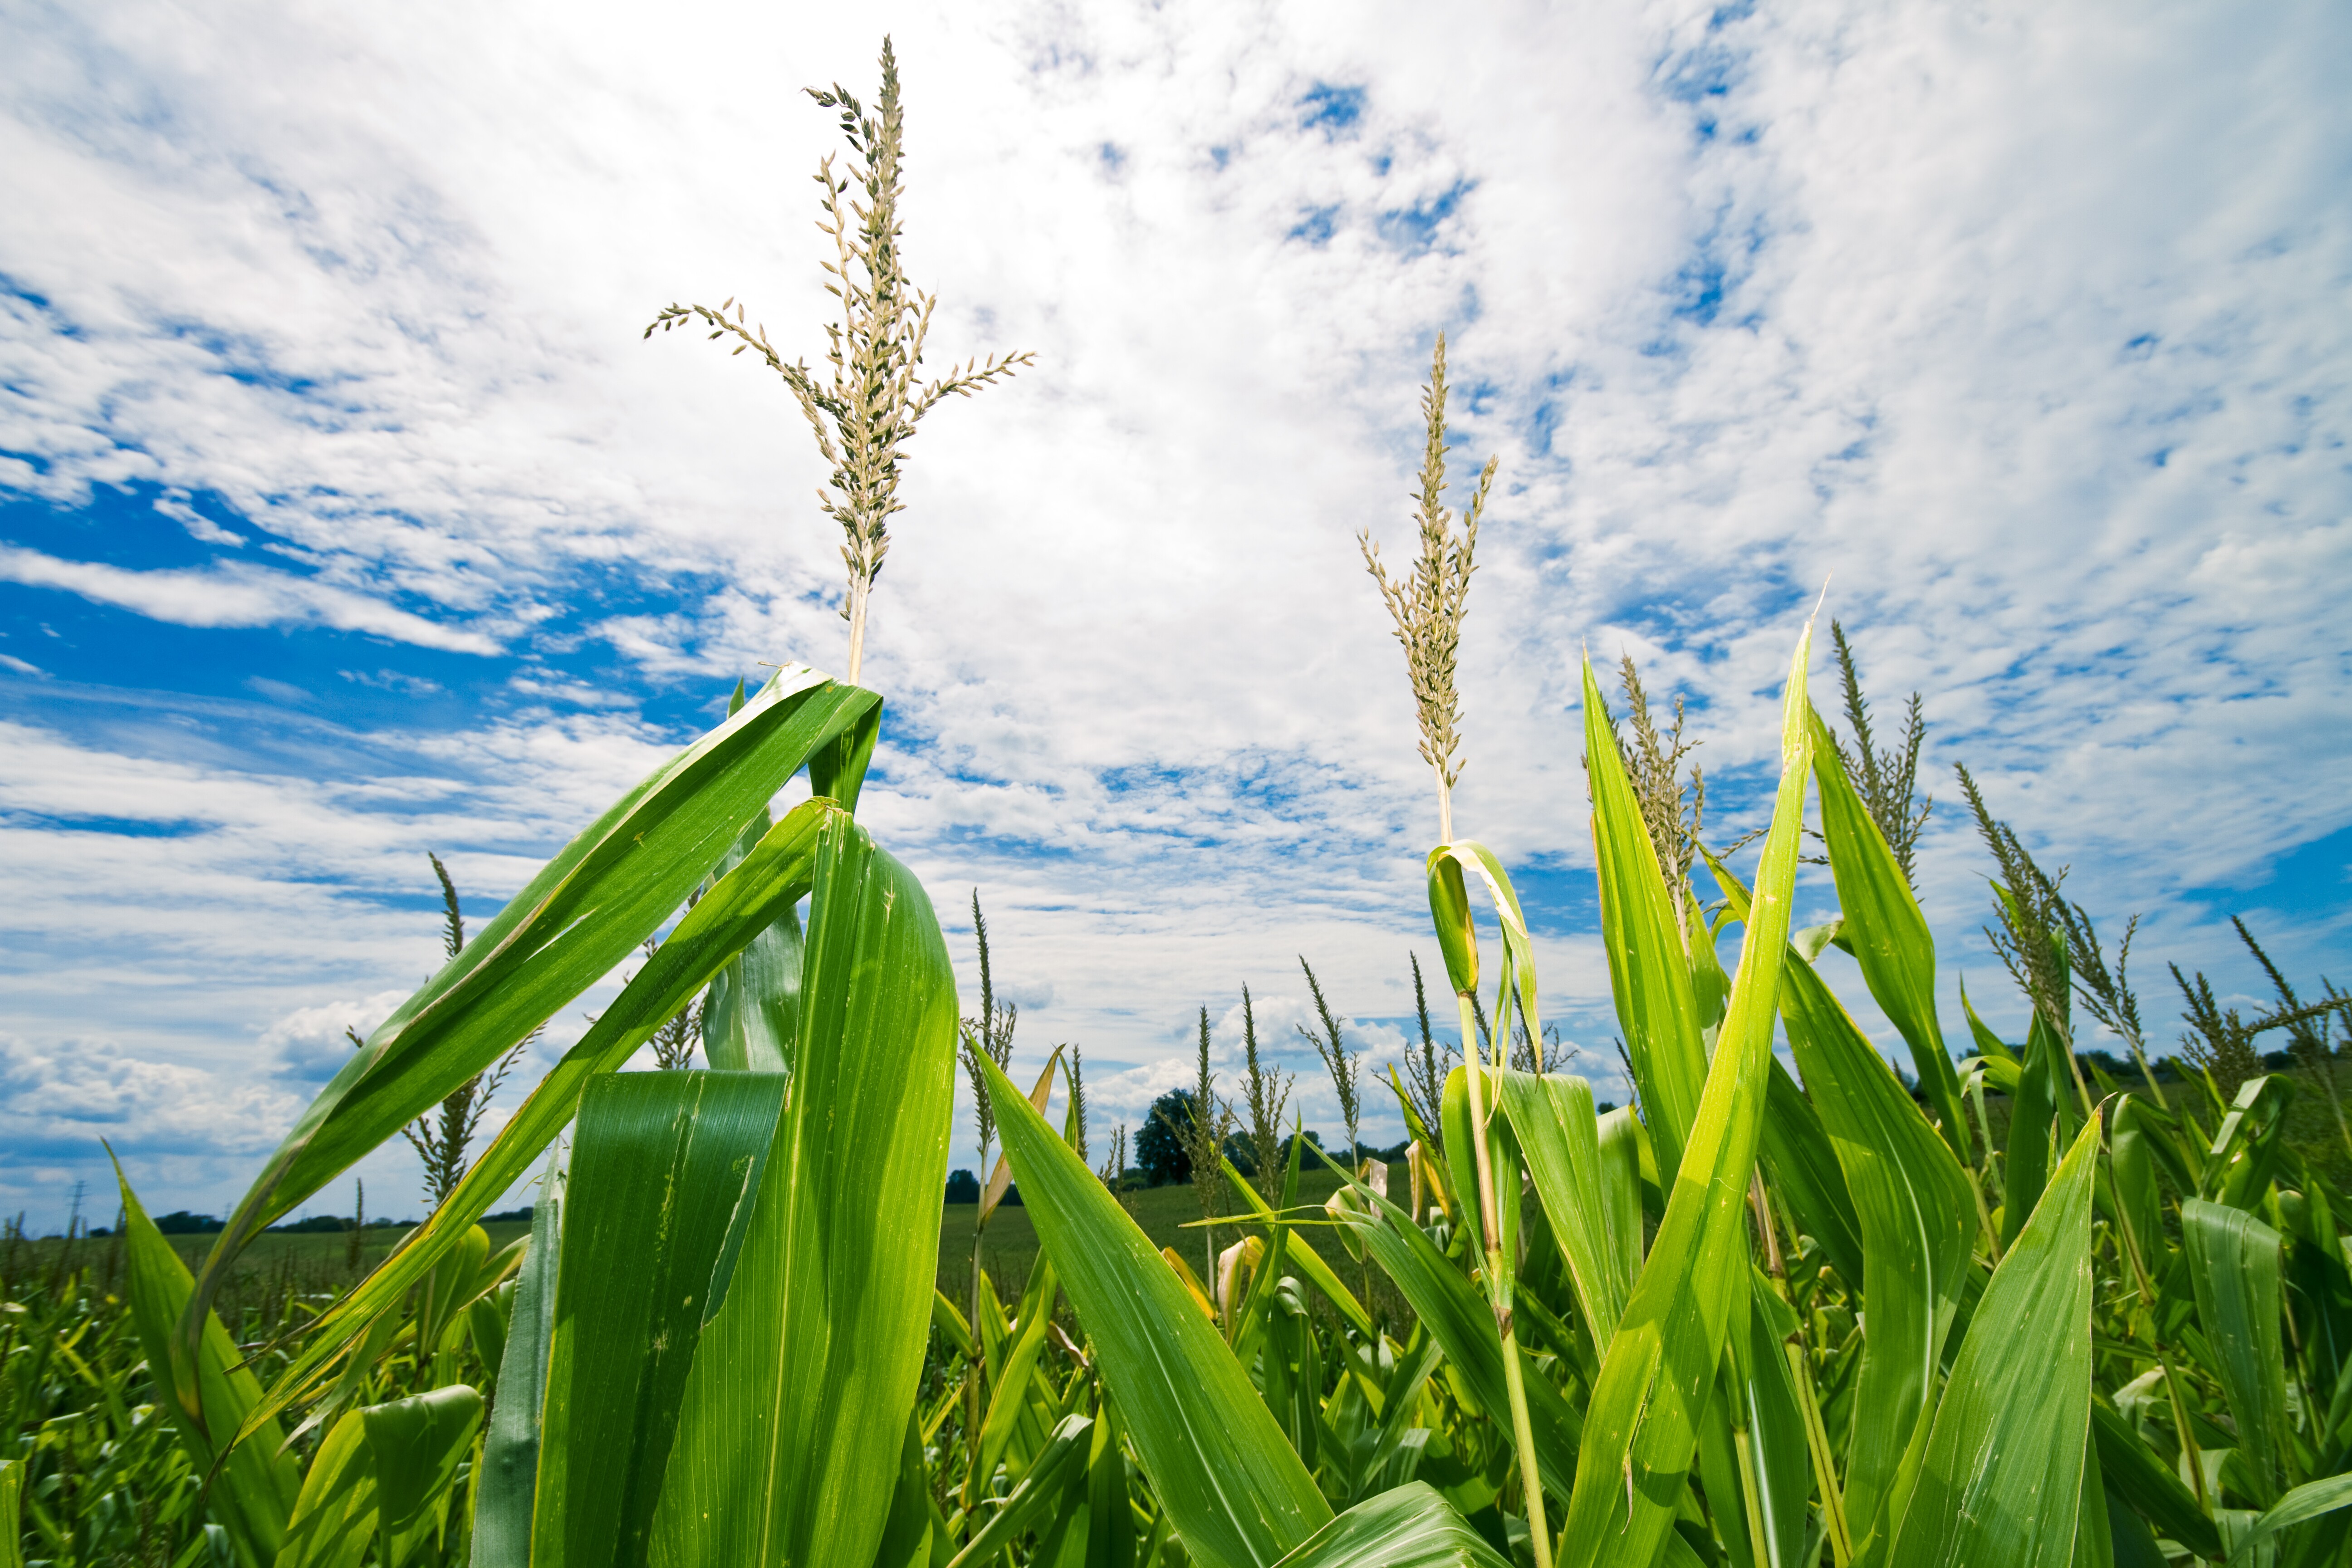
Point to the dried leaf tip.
(1427, 604)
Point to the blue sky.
(344, 514)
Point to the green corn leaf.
(508, 1483)
(414, 1446)
(2149, 1484)
(1988, 1044)
(1649, 972)
(2031, 1118)
(11, 1526)
(2233, 1265)
(1110, 1521)
(1302, 1253)
(1641, 1426)
(1460, 1319)
(257, 1486)
(751, 1014)
(1779, 1465)
(663, 1166)
(907, 1532)
(1595, 1208)
(1408, 1527)
(2130, 1156)
(1010, 1395)
(1032, 1503)
(743, 903)
(2001, 1479)
(1224, 1475)
(2307, 1502)
(1803, 1170)
(585, 911)
(1502, 1151)
(334, 1519)
(1889, 936)
(1918, 1215)
(788, 1439)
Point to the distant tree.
(180, 1222)
(1159, 1146)
(963, 1187)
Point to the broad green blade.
(1502, 1151)
(907, 1532)
(2151, 1485)
(2130, 1150)
(1595, 1211)
(1033, 1502)
(12, 1491)
(2233, 1264)
(2307, 1502)
(508, 1483)
(742, 904)
(1409, 1527)
(664, 1164)
(1227, 1478)
(1803, 1170)
(1458, 1316)
(1918, 1215)
(751, 1016)
(1640, 1428)
(334, 1519)
(1649, 970)
(788, 1443)
(255, 1491)
(1780, 1465)
(1008, 1395)
(414, 1446)
(2002, 1479)
(586, 910)
(1889, 936)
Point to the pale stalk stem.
(1747, 1496)
(1523, 1434)
(859, 591)
(1445, 813)
(1800, 1370)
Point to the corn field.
(1763, 1317)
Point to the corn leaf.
(1649, 971)
(2307, 1502)
(1779, 1465)
(2001, 1479)
(1888, 935)
(780, 1456)
(742, 904)
(2233, 1265)
(12, 1527)
(256, 1489)
(1595, 1208)
(1032, 1503)
(2030, 1117)
(1460, 1319)
(334, 1519)
(1223, 1473)
(751, 1014)
(663, 1166)
(1918, 1215)
(1641, 1426)
(508, 1482)
(585, 911)
(2149, 1484)
(1299, 1252)
(414, 1446)
(1407, 1527)
(1803, 1170)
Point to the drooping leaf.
(1220, 1465)
(664, 1165)
(585, 911)
(788, 1439)
(2307, 1502)
(414, 1446)
(508, 1483)
(1407, 1527)
(1918, 1215)
(751, 1013)
(2233, 1265)
(1641, 1426)
(2002, 1477)
(743, 903)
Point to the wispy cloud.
(1930, 303)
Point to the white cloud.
(2023, 331)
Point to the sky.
(346, 514)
